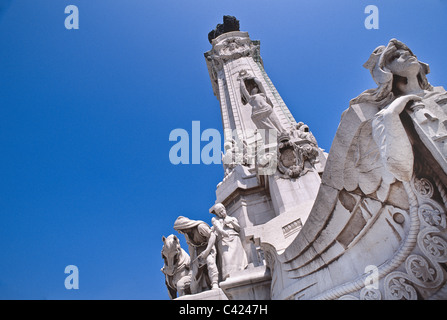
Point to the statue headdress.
(383, 77)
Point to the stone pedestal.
(215, 294)
(249, 284)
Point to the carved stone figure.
(233, 156)
(176, 268)
(263, 115)
(396, 71)
(231, 253)
(297, 151)
(372, 226)
(198, 235)
(402, 85)
(386, 172)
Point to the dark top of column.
(230, 23)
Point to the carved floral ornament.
(370, 294)
(430, 215)
(424, 187)
(423, 272)
(399, 287)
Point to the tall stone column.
(272, 163)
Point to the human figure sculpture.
(402, 85)
(199, 238)
(231, 253)
(232, 157)
(176, 267)
(237, 152)
(263, 115)
(397, 72)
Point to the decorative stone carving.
(237, 152)
(373, 156)
(292, 228)
(230, 251)
(388, 62)
(263, 115)
(382, 196)
(234, 46)
(290, 159)
(398, 287)
(297, 151)
(421, 273)
(398, 72)
(370, 294)
(424, 187)
(232, 157)
(431, 215)
(432, 245)
(176, 268)
(198, 235)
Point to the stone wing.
(364, 169)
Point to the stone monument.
(366, 221)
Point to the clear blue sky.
(85, 116)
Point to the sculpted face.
(221, 212)
(254, 91)
(402, 63)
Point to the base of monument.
(214, 294)
(248, 284)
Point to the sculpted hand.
(227, 220)
(398, 105)
(201, 257)
(233, 222)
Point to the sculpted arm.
(191, 249)
(398, 105)
(211, 242)
(234, 223)
(244, 91)
(260, 86)
(390, 135)
(218, 227)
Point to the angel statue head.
(396, 71)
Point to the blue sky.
(85, 117)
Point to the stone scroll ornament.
(403, 110)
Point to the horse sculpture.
(176, 268)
